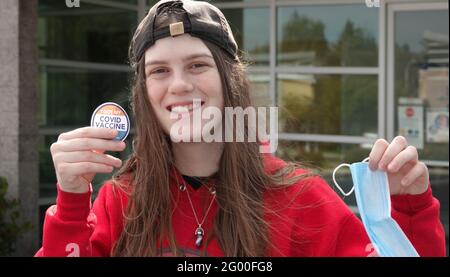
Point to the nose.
(180, 84)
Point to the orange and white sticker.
(112, 116)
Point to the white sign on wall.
(437, 126)
(410, 121)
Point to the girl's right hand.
(79, 154)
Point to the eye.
(158, 72)
(198, 67)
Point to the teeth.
(179, 109)
(183, 108)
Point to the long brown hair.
(239, 224)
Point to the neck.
(197, 159)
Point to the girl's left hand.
(406, 174)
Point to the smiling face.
(177, 71)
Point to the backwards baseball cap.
(202, 20)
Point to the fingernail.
(113, 132)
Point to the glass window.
(89, 33)
(259, 89)
(231, 1)
(341, 35)
(47, 177)
(323, 158)
(68, 96)
(250, 29)
(126, 1)
(421, 92)
(328, 104)
(42, 211)
(421, 81)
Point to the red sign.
(409, 112)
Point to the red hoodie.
(314, 221)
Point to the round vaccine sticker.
(112, 116)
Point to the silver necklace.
(199, 232)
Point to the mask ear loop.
(365, 160)
(336, 184)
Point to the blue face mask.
(374, 204)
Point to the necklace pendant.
(199, 232)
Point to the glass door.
(417, 87)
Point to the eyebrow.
(190, 57)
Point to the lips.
(182, 107)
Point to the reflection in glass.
(230, 1)
(250, 29)
(47, 177)
(421, 76)
(126, 1)
(259, 90)
(328, 104)
(152, 2)
(88, 33)
(68, 96)
(344, 35)
(323, 158)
